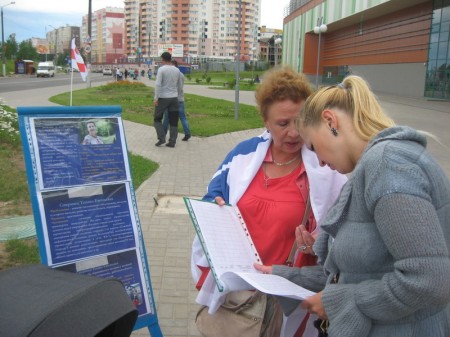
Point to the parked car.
(69, 70)
(107, 71)
(45, 69)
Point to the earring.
(334, 132)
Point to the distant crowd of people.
(121, 74)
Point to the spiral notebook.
(231, 253)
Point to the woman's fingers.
(315, 306)
(304, 240)
(263, 269)
(219, 201)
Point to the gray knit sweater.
(388, 237)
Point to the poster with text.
(83, 200)
(126, 267)
(87, 221)
(79, 151)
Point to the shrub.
(208, 79)
(9, 126)
(122, 85)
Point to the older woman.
(269, 177)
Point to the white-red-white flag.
(77, 61)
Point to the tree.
(62, 58)
(27, 51)
(10, 47)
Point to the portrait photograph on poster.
(64, 160)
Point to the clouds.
(29, 18)
(32, 18)
(27, 24)
(68, 7)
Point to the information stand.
(83, 198)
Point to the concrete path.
(186, 171)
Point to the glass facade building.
(438, 69)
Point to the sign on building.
(175, 49)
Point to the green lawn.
(207, 116)
(224, 80)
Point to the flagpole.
(76, 61)
(71, 82)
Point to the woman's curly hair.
(280, 84)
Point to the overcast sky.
(32, 18)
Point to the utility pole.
(3, 39)
(238, 61)
(88, 56)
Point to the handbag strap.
(291, 257)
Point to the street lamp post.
(276, 42)
(3, 39)
(319, 29)
(149, 27)
(56, 43)
(238, 63)
(48, 46)
(253, 62)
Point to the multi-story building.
(270, 45)
(195, 29)
(400, 46)
(59, 39)
(107, 36)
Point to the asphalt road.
(25, 82)
(428, 115)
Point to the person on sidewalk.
(168, 84)
(385, 243)
(181, 113)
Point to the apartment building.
(107, 43)
(59, 39)
(197, 29)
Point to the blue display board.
(83, 198)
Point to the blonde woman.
(385, 243)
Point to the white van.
(45, 69)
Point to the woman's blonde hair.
(354, 97)
(280, 84)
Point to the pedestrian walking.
(181, 113)
(168, 84)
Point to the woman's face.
(92, 129)
(331, 150)
(280, 121)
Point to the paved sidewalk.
(186, 171)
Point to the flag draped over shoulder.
(77, 61)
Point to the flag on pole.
(77, 61)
